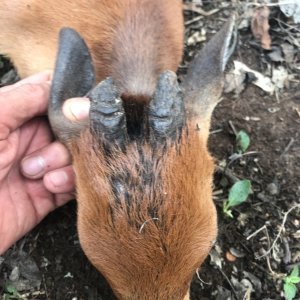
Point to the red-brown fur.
(154, 255)
(149, 37)
(150, 243)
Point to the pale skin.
(36, 175)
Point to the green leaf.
(294, 279)
(11, 292)
(238, 193)
(226, 210)
(295, 272)
(10, 289)
(290, 291)
(242, 141)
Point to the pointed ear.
(204, 80)
(73, 77)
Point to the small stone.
(242, 162)
(247, 284)
(230, 257)
(69, 275)
(273, 110)
(261, 196)
(45, 262)
(224, 182)
(15, 274)
(242, 218)
(272, 189)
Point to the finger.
(52, 157)
(34, 79)
(60, 181)
(76, 109)
(21, 104)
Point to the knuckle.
(4, 132)
(35, 90)
(60, 148)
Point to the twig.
(227, 172)
(280, 230)
(198, 276)
(273, 273)
(36, 293)
(287, 255)
(232, 127)
(287, 25)
(45, 286)
(264, 228)
(229, 282)
(258, 166)
(287, 148)
(216, 131)
(236, 156)
(256, 232)
(194, 8)
(247, 295)
(194, 20)
(218, 192)
(271, 4)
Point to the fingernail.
(33, 166)
(58, 178)
(77, 109)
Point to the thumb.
(76, 109)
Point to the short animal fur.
(146, 218)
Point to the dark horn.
(166, 110)
(107, 116)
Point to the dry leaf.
(260, 26)
(291, 10)
(259, 80)
(196, 37)
(289, 52)
(279, 77)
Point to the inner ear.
(73, 76)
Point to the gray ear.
(73, 77)
(204, 80)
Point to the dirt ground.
(260, 244)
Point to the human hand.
(35, 171)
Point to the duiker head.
(146, 218)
